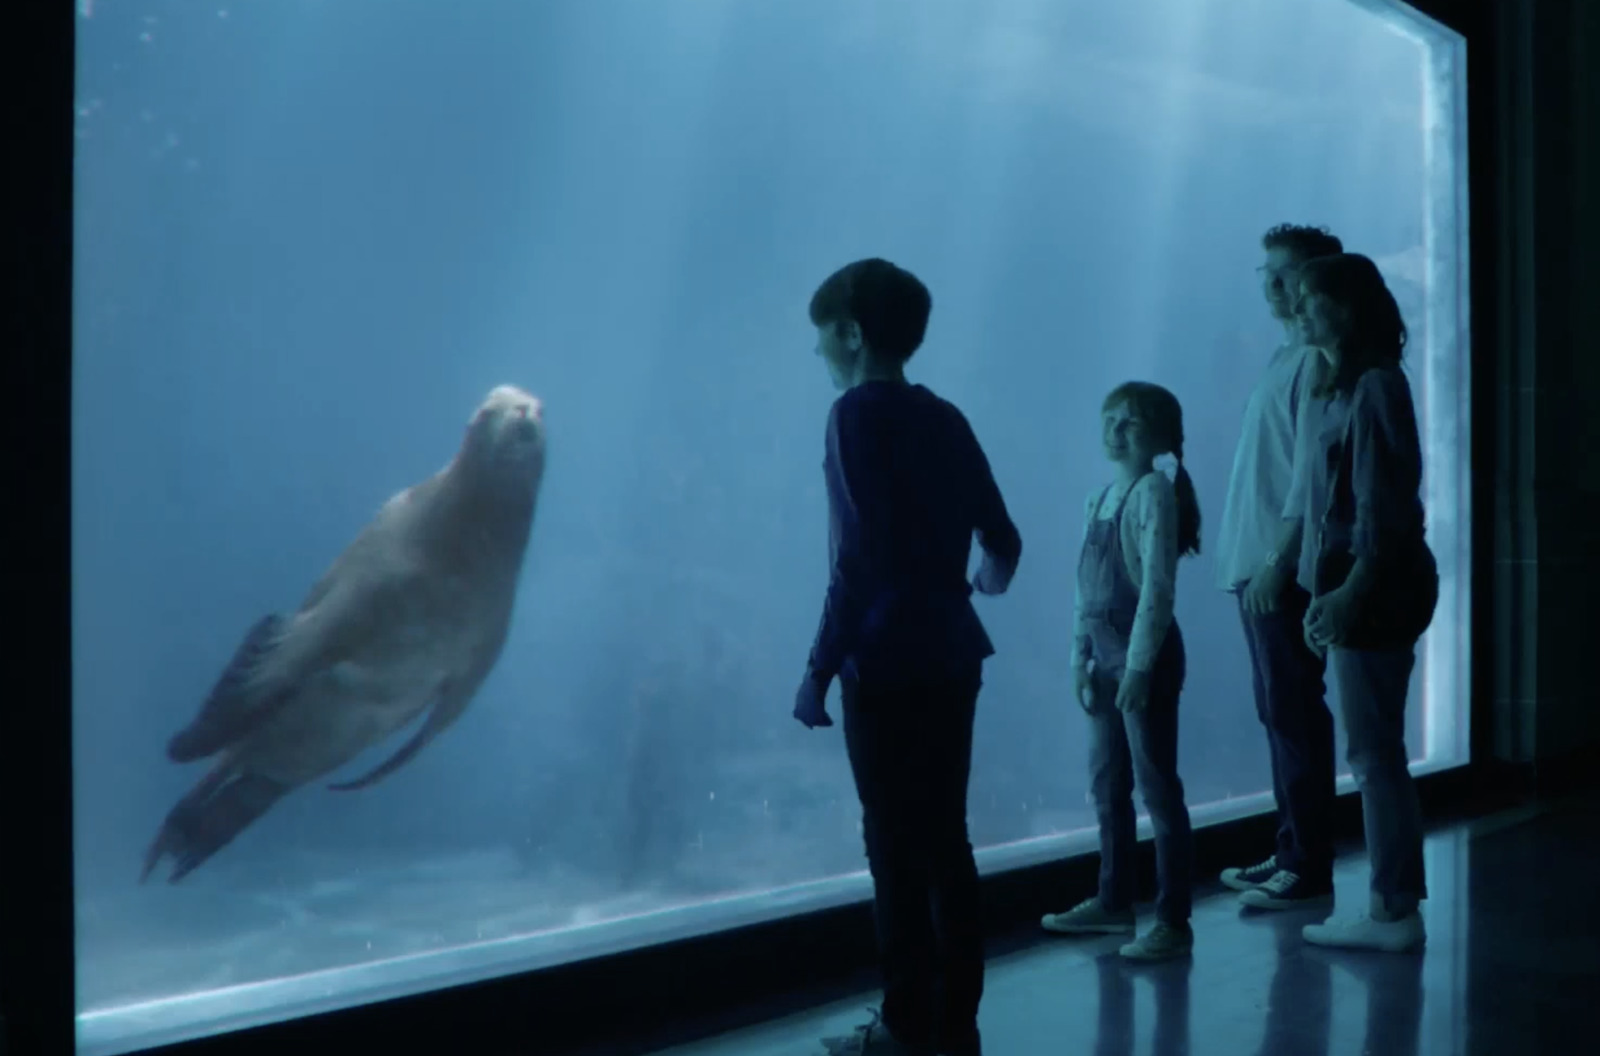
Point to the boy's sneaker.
(1089, 917)
(1161, 943)
(1251, 876)
(1364, 933)
(1286, 890)
(874, 1039)
(970, 1045)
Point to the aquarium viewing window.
(314, 236)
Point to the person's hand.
(810, 703)
(1082, 687)
(1328, 619)
(1134, 693)
(991, 579)
(1265, 588)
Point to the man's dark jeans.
(910, 747)
(1291, 701)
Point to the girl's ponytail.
(1188, 506)
(1164, 414)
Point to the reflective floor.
(1512, 966)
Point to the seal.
(408, 621)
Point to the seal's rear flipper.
(442, 715)
(230, 712)
(220, 807)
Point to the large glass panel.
(312, 235)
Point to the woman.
(1357, 493)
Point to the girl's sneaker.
(1161, 943)
(1089, 917)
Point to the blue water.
(312, 234)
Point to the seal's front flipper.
(231, 711)
(220, 807)
(446, 710)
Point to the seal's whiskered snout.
(525, 419)
(524, 424)
(512, 404)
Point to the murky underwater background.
(312, 234)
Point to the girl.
(1357, 497)
(1128, 668)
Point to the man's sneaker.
(1089, 917)
(874, 1039)
(1251, 876)
(1286, 890)
(1364, 933)
(1161, 943)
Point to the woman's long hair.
(1374, 334)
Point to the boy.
(1256, 558)
(908, 486)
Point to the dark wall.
(1546, 456)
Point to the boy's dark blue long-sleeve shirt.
(908, 487)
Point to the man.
(1256, 555)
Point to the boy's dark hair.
(1377, 333)
(1302, 242)
(1162, 414)
(888, 303)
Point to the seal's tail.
(220, 807)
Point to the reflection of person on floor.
(1128, 668)
(908, 486)
(1373, 581)
(1114, 1025)
(1255, 560)
(1395, 996)
(1300, 999)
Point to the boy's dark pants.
(910, 747)
(1291, 702)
